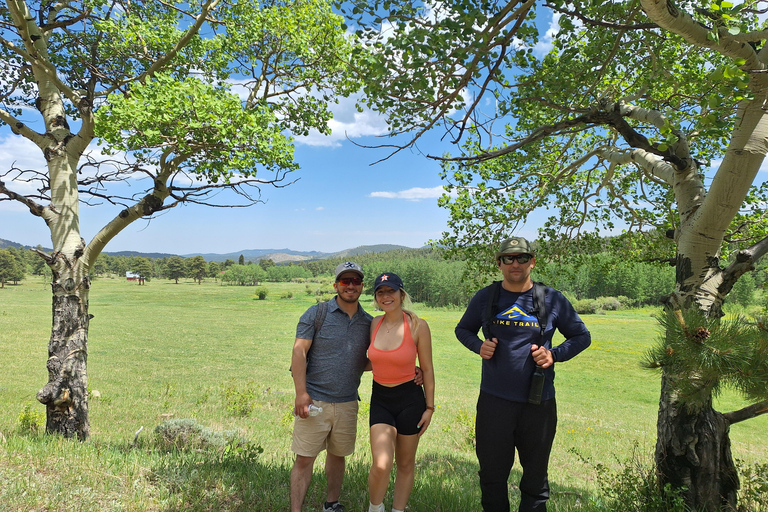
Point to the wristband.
(431, 408)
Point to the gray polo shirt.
(337, 357)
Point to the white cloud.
(20, 153)
(347, 122)
(412, 194)
(544, 46)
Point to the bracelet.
(431, 407)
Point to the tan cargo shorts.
(333, 430)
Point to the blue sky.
(340, 201)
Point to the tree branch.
(649, 162)
(22, 129)
(34, 208)
(678, 21)
(37, 51)
(191, 32)
(613, 117)
(746, 413)
(599, 23)
(744, 262)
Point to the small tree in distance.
(197, 268)
(10, 270)
(175, 268)
(144, 267)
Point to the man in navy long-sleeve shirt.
(506, 421)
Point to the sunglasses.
(508, 259)
(346, 281)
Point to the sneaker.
(336, 507)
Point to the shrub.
(239, 401)
(30, 420)
(753, 494)
(586, 306)
(626, 302)
(187, 434)
(633, 488)
(262, 292)
(609, 303)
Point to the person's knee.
(303, 463)
(406, 466)
(382, 465)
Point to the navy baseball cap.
(388, 279)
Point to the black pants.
(501, 427)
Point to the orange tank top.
(396, 365)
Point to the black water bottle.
(537, 386)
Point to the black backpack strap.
(490, 308)
(322, 310)
(540, 306)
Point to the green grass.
(217, 355)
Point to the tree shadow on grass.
(210, 482)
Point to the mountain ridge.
(276, 255)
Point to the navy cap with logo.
(348, 266)
(388, 279)
(515, 245)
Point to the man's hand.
(488, 348)
(541, 356)
(419, 378)
(301, 405)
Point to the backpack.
(539, 307)
(322, 310)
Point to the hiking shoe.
(336, 507)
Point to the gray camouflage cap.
(348, 266)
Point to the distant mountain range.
(276, 255)
(284, 255)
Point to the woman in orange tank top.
(400, 410)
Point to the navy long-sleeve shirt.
(508, 373)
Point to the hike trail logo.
(517, 317)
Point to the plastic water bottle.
(537, 386)
(314, 410)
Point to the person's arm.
(471, 323)
(424, 351)
(571, 326)
(299, 372)
(374, 322)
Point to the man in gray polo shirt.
(328, 376)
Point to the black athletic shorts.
(400, 406)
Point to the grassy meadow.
(219, 356)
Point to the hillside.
(276, 255)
